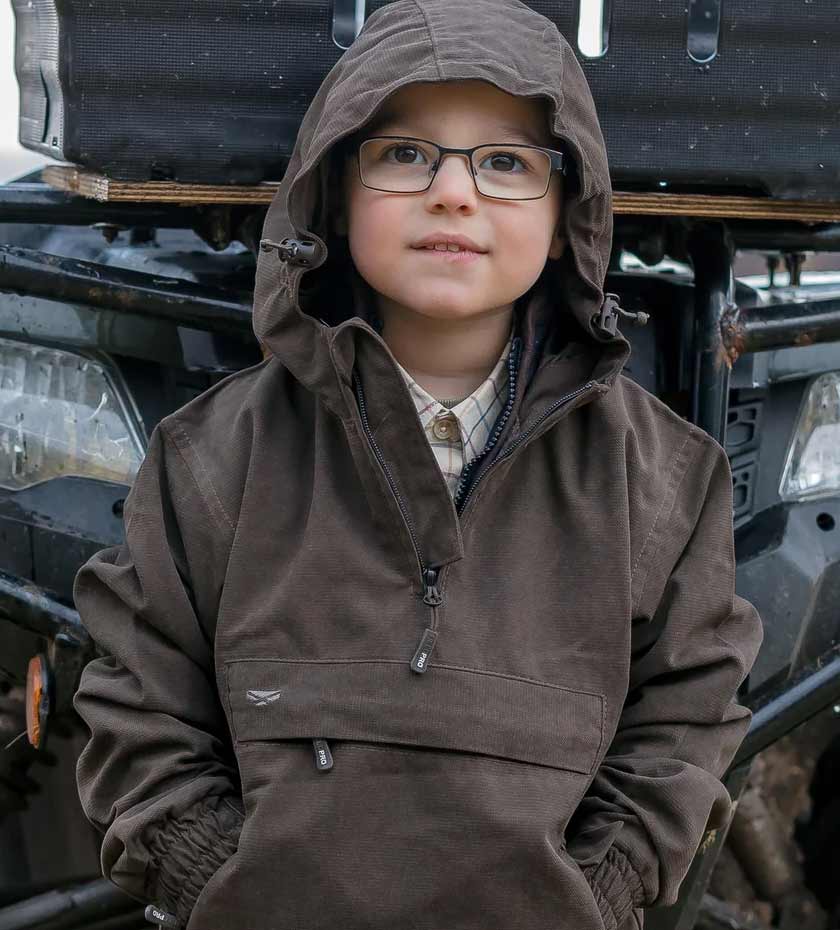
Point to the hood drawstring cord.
(607, 318)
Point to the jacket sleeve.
(157, 776)
(658, 788)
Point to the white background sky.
(14, 159)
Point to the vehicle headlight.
(812, 468)
(60, 415)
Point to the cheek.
(523, 237)
(374, 230)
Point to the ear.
(558, 242)
(339, 218)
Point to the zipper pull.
(431, 595)
(157, 915)
(323, 756)
(423, 653)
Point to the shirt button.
(443, 426)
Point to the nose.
(453, 187)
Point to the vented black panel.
(214, 91)
(744, 475)
(743, 426)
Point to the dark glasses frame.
(557, 159)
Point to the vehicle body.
(114, 313)
(160, 315)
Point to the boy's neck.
(447, 358)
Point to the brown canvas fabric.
(557, 761)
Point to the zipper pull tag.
(423, 653)
(157, 915)
(323, 756)
(431, 595)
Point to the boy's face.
(515, 237)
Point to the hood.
(310, 305)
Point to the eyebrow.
(502, 133)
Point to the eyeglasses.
(403, 165)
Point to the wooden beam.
(98, 187)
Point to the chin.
(443, 305)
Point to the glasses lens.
(398, 165)
(511, 172)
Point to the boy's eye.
(404, 154)
(504, 162)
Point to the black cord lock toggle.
(607, 318)
(293, 251)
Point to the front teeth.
(445, 247)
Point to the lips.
(448, 242)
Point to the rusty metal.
(32, 608)
(777, 325)
(102, 286)
(712, 252)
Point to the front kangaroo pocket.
(379, 798)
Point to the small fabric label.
(262, 697)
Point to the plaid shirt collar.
(475, 414)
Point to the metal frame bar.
(712, 253)
(32, 608)
(124, 291)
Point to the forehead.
(464, 108)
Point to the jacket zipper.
(428, 575)
(522, 437)
(469, 469)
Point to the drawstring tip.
(607, 318)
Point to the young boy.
(428, 620)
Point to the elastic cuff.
(187, 851)
(616, 886)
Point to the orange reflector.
(37, 699)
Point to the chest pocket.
(380, 701)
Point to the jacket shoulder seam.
(668, 500)
(187, 451)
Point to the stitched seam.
(231, 715)
(431, 39)
(438, 665)
(465, 753)
(655, 524)
(183, 433)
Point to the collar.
(476, 413)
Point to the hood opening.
(335, 291)
(519, 51)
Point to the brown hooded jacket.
(333, 696)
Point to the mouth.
(449, 248)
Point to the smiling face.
(507, 241)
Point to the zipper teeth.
(470, 467)
(523, 436)
(396, 491)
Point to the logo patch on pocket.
(262, 697)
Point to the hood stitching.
(432, 41)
